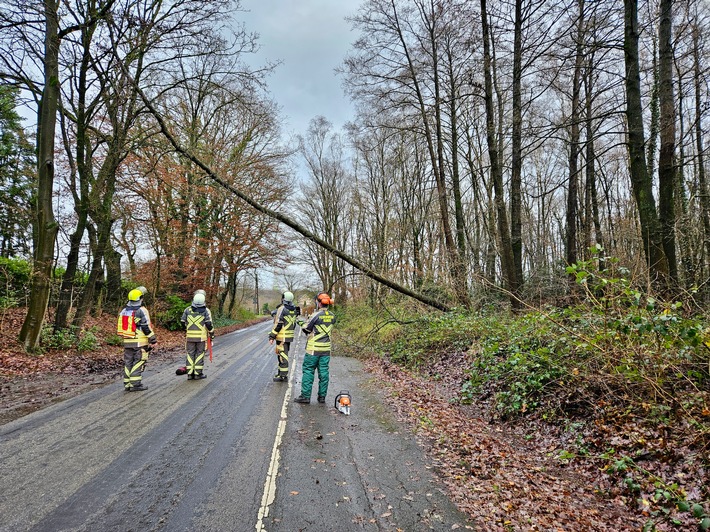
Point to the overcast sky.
(310, 38)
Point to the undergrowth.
(619, 357)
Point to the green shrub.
(114, 339)
(88, 341)
(60, 339)
(222, 321)
(170, 317)
(15, 277)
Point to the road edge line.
(270, 484)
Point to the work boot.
(321, 398)
(302, 400)
(200, 376)
(138, 388)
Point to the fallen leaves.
(500, 480)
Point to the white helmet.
(200, 291)
(198, 300)
(287, 296)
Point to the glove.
(148, 348)
(211, 335)
(272, 336)
(153, 340)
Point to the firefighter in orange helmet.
(318, 333)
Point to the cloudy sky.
(310, 38)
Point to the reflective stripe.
(126, 325)
(319, 340)
(195, 326)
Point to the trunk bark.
(666, 159)
(704, 192)
(641, 183)
(571, 254)
(516, 222)
(45, 227)
(506, 248)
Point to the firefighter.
(134, 327)
(197, 320)
(282, 334)
(318, 332)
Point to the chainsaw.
(342, 402)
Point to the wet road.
(228, 453)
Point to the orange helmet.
(324, 299)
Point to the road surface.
(232, 452)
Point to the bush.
(60, 339)
(88, 341)
(15, 280)
(170, 318)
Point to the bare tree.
(326, 197)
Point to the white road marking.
(270, 485)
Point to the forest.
(524, 185)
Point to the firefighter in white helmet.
(282, 334)
(197, 320)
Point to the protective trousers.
(311, 364)
(282, 349)
(132, 366)
(195, 358)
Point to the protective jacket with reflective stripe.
(318, 331)
(134, 327)
(284, 323)
(198, 322)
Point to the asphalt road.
(232, 452)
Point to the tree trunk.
(641, 183)
(103, 199)
(456, 265)
(516, 222)
(114, 289)
(506, 248)
(571, 215)
(45, 227)
(666, 159)
(652, 144)
(83, 170)
(704, 192)
(592, 216)
(455, 173)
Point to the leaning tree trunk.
(45, 227)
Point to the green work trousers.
(311, 364)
